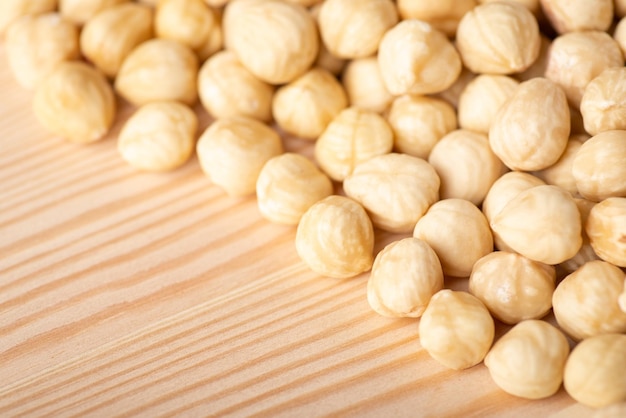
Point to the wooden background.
(124, 293)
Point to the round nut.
(528, 361)
(232, 152)
(443, 15)
(215, 42)
(619, 34)
(227, 89)
(595, 370)
(36, 44)
(450, 222)
(418, 122)
(498, 38)
(505, 189)
(189, 22)
(466, 165)
(354, 28)
(576, 58)
(585, 302)
(159, 136)
(531, 130)
(405, 275)
(560, 173)
(395, 189)
(603, 105)
(288, 185)
(586, 252)
(364, 85)
(158, 70)
(354, 136)
(482, 98)
(308, 104)
(541, 223)
(578, 15)
(108, 38)
(456, 329)
(513, 287)
(11, 10)
(276, 41)
(599, 168)
(335, 238)
(75, 102)
(537, 68)
(415, 58)
(606, 229)
(81, 11)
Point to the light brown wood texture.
(131, 294)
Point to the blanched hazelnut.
(80, 11)
(541, 223)
(513, 287)
(599, 168)
(159, 136)
(226, 88)
(603, 105)
(538, 67)
(443, 15)
(505, 189)
(405, 275)
(498, 38)
(75, 102)
(532, 5)
(335, 238)
(11, 10)
(288, 185)
(458, 232)
(576, 58)
(215, 42)
(108, 38)
(595, 370)
(352, 137)
(36, 44)
(326, 59)
(232, 152)
(395, 189)
(158, 70)
(481, 100)
(364, 85)
(586, 252)
(456, 329)
(531, 130)
(560, 173)
(354, 28)
(275, 40)
(619, 34)
(306, 106)
(606, 228)
(466, 165)
(528, 361)
(416, 58)
(578, 15)
(189, 22)
(585, 303)
(418, 122)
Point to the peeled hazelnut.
(306, 106)
(405, 275)
(11, 10)
(481, 100)
(560, 173)
(354, 28)
(36, 44)
(108, 38)
(275, 40)
(364, 85)
(81, 11)
(603, 105)
(189, 22)
(443, 15)
(606, 229)
(418, 59)
(586, 252)
(395, 189)
(578, 15)
(498, 38)
(158, 70)
(159, 136)
(75, 102)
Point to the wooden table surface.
(131, 294)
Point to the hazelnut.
(606, 229)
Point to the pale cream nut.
(364, 85)
(405, 276)
(443, 15)
(395, 189)
(513, 287)
(560, 173)
(538, 67)
(456, 329)
(307, 105)
(226, 89)
(606, 229)
(36, 44)
(75, 102)
(505, 189)
(458, 232)
(81, 11)
(578, 15)
(215, 42)
(11, 10)
(335, 238)
(528, 361)
(416, 58)
(232, 152)
(586, 252)
(351, 138)
(585, 302)
(288, 185)
(603, 105)
(159, 136)
(189, 22)
(595, 370)
(481, 100)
